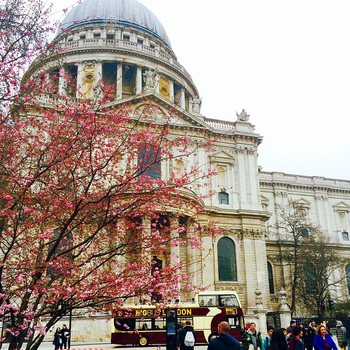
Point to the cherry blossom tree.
(84, 207)
(24, 31)
(89, 193)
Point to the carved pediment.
(222, 157)
(155, 108)
(341, 206)
(303, 203)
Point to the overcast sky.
(287, 63)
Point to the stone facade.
(141, 63)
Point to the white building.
(122, 42)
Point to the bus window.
(208, 300)
(124, 324)
(235, 322)
(144, 324)
(183, 320)
(159, 323)
(232, 322)
(228, 300)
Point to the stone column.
(241, 154)
(138, 80)
(250, 266)
(208, 270)
(119, 82)
(80, 75)
(171, 91)
(327, 211)
(98, 71)
(175, 253)
(62, 82)
(191, 257)
(253, 179)
(182, 99)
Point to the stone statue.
(243, 116)
(149, 77)
(196, 104)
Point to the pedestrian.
(267, 339)
(179, 327)
(252, 338)
(278, 340)
(302, 328)
(347, 326)
(284, 330)
(292, 324)
(309, 335)
(224, 340)
(187, 337)
(65, 335)
(341, 335)
(294, 340)
(57, 338)
(323, 340)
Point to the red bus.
(144, 325)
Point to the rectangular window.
(223, 198)
(148, 160)
(109, 73)
(72, 71)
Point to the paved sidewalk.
(106, 346)
(80, 346)
(99, 346)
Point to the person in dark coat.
(309, 335)
(224, 341)
(65, 335)
(294, 340)
(182, 334)
(278, 340)
(341, 335)
(57, 338)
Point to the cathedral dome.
(114, 12)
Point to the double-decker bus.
(143, 325)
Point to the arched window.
(227, 259)
(347, 273)
(271, 281)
